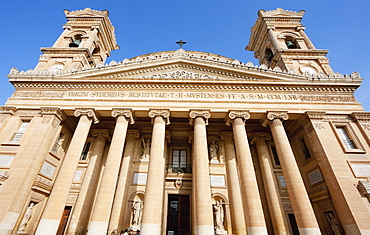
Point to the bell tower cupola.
(87, 40)
(278, 39)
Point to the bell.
(75, 43)
(290, 44)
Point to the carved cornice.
(123, 112)
(204, 113)
(8, 110)
(260, 136)
(101, 132)
(361, 116)
(112, 85)
(164, 113)
(90, 112)
(243, 114)
(271, 115)
(315, 115)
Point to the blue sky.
(218, 26)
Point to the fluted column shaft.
(301, 204)
(153, 201)
(201, 182)
(273, 199)
(83, 204)
(55, 206)
(120, 198)
(252, 206)
(103, 204)
(237, 216)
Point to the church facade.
(184, 142)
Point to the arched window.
(76, 41)
(268, 54)
(291, 43)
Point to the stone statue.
(219, 215)
(137, 207)
(146, 149)
(333, 223)
(26, 218)
(213, 148)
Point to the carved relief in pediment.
(181, 74)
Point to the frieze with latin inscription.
(184, 95)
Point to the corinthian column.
(55, 206)
(202, 199)
(103, 204)
(273, 199)
(153, 201)
(83, 204)
(252, 206)
(301, 204)
(237, 216)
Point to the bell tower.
(87, 40)
(278, 39)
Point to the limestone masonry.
(184, 142)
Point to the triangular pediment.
(180, 66)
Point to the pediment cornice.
(195, 65)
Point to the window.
(347, 138)
(21, 130)
(85, 151)
(305, 150)
(58, 143)
(291, 43)
(275, 155)
(76, 41)
(343, 135)
(179, 162)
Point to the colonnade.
(245, 201)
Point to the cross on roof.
(181, 43)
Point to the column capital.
(90, 112)
(271, 115)
(168, 136)
(204, 113)
(227, 136)
(243, 114)
(52, 111)
(101, 132)
(258, 136)
(164, 113)
(8, 110)
(133, 134)
(190, 137)
(126, 112)
(315, 115)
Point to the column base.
(309, 231)
(220, 231)
(205, 230)
(257, 230)
(98, 228)
(47, 227)
(149, 229)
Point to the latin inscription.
(47, 169)
(361, 169)
(139, 179)
(183, 95)
(6, 160)
(217, 180)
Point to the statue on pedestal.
(146, 149)
(137, 207)
(213, 149)
(219, 217)
(26, 218)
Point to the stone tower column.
(301, 204)
(86, 195)
(103, 204)
(54, 208)
(120, 198)
(252, 206)
(273, 199)
(153, 201)
(236, 202)
(201, 182)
